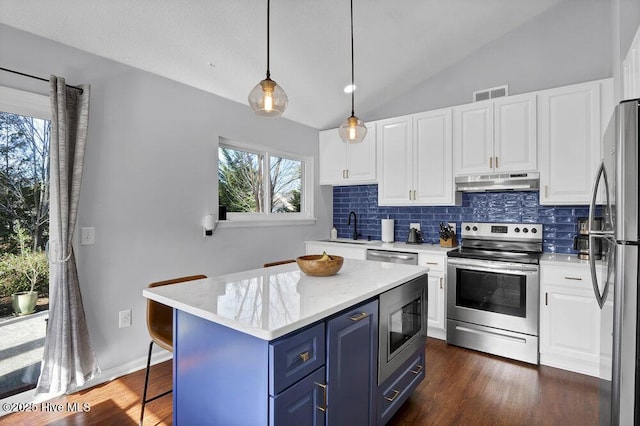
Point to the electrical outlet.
(124, 318)
(453, 226)
(416, 226)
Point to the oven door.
(402, 326)
(495, 294)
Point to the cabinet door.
(569, 138)
(332, 158)
(302, 404)
(473, 138)
(395, 165)
(515, 142)
(435, 312)
(569, 329)
(361, 159)
(352, 353)
(433, 151)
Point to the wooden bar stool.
(160, 326)
(279, 262)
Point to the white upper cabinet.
(497, 135)
(570, 122)
(347, 164)
(415, 164)
(395, 161)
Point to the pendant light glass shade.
(267, 99)
(352, 130)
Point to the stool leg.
(146, 383)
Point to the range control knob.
(516, 230)
(467, 228)
(534, 230)
(475, 228)
(525, 230)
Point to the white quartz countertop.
(379, 245)
(270, 302)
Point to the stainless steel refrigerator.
(615, 198)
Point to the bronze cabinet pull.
(360, 316)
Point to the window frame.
(268, 218)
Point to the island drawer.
(395, 390)
(293, 357)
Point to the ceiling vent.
(494, 92)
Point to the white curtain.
(68, 360)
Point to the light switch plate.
(87, 236)
(453, 225)
(416, 226)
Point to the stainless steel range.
(493, 289)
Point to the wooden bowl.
(311, 265)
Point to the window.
(258, 184)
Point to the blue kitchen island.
(273, 346)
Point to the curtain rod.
(38, 78)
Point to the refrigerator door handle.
(600, 298)
(593, 234)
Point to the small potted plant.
(21, 273)
(447, 236)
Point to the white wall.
(567, 44)
(149, 180)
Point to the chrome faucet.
(355, 224)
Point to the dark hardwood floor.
(462, 387)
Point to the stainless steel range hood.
(499, 182)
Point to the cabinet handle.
(395, 394)
(573, 278)
(360, 316)
(496, 162)
(409, 194)
(343, 175)
(491, 162)
(324, 397)
(546, 191)
(304, 356)
(417, 370)
(347, 173)
(441, 283)
(546, 299)
(432, 263)
(414, 194)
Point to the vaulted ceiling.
(220, 45)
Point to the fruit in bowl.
(320, 265)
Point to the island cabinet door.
(303, 404)
(352, 353)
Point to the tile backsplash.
(560, 222)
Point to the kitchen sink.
(350, 241)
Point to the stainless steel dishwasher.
(393, 256)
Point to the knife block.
(451, 242)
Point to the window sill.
(265, 222)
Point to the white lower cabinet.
(569, 319)
(436, 324)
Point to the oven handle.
(514, 268)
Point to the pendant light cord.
(268, 32)
(353, 86)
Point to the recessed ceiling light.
(350, 88)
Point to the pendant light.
(267, 99)
(352, 130)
